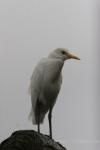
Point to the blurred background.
(30, 30)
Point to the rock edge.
(30, 140)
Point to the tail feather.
(32, 117)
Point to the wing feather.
(35, 87)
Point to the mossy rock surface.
(30, 140)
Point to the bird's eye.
(63, 52)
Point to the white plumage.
(46, 83)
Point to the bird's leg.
(50, 122)
(38, 119)
(38, 127)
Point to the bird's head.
(64, 54)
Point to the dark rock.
(30, 140)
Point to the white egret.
(45, 85)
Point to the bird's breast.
(51, 90)
(51, 82)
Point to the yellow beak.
(72, 56)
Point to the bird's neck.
(56, 70)
(57, 75)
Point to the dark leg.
(38, 127)
(50, 122)
(38, 118)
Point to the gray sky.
(30, 30)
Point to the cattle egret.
(45, 85)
